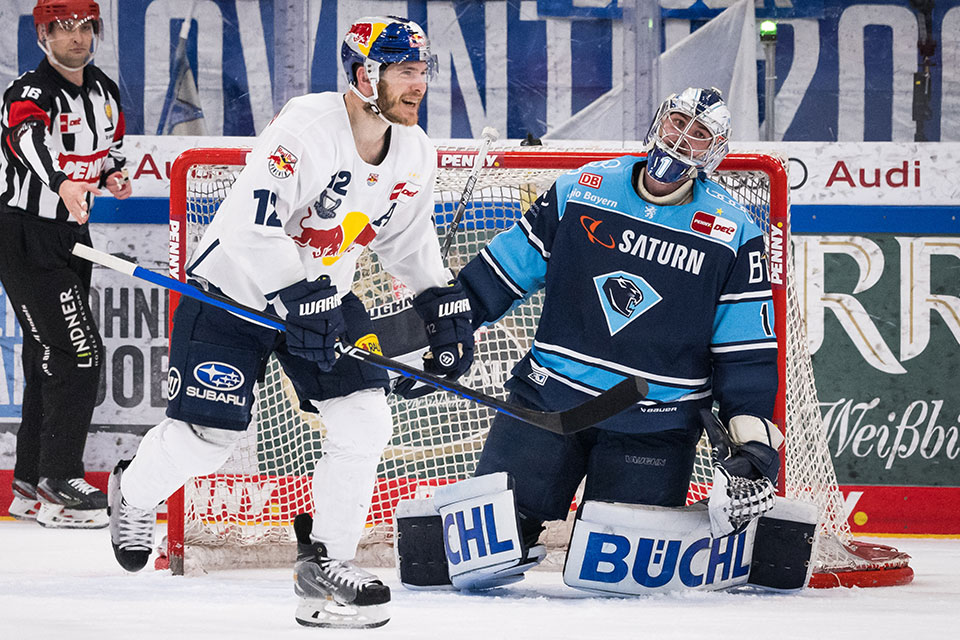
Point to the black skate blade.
(332, 615)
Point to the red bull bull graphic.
(281, 163)
(330, 244)
(364, 34)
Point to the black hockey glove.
(314, 320)
(447, 318)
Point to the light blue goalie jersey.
(679, 295)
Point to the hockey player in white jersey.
(331, 174)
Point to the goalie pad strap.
(418, 545)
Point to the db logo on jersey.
(281, 163)
(70, 123)
(713, 226)
(591, 180)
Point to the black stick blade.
(608, 404)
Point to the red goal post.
(215, 514)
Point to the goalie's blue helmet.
(676, 152)
(375, 42)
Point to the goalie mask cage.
(242, 515)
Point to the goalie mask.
(688, 136)
(57, 20)
(375, 42)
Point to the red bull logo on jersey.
(329, 244)
(713, 226)
(281, 163)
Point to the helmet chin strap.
(371, 102)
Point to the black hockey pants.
(48, 290)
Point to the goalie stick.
(607, 404)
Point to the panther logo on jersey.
(624, 297)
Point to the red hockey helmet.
(47, 11)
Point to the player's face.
(70, 41)
(690, 138)
(400, 90)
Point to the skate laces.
(346, 573)
(135, 528)
(82, 486)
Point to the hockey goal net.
(242, 515)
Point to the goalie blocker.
(466, 536)
(636, 549)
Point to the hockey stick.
(488, 136)
(594, 410)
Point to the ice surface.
(66, 585)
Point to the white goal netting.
(243, 514)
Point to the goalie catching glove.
(447, 318)
(314, 320)
(746, 464)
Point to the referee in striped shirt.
(62, 133)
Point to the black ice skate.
(25, 505)
(70, 504)
(334, 593)
(131, 529)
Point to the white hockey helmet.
(677, 147)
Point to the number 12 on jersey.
(266, 208)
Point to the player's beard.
(395, 108)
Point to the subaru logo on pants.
(219, 376)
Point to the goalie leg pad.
(626, 549)
(479, 536)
